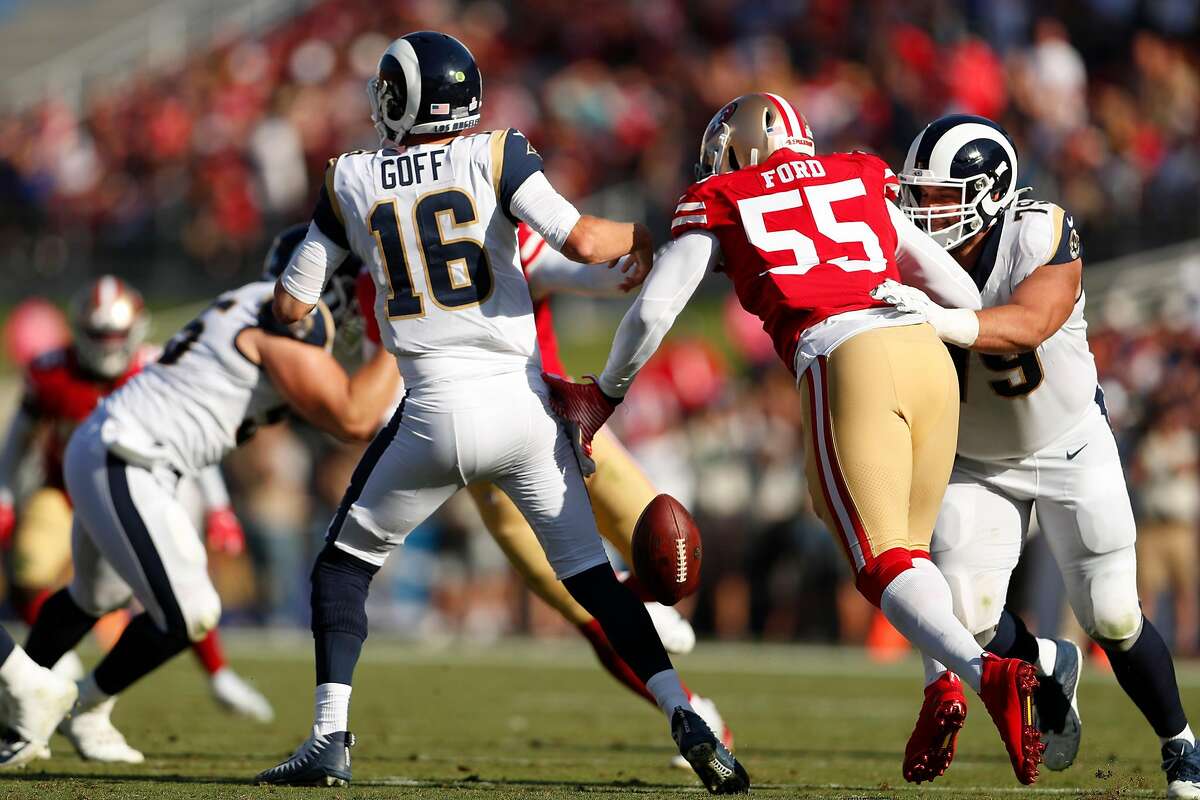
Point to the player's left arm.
(323, 250)
(1040, 305)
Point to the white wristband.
(957, 326)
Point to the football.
(666, 550)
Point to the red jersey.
(530, 246)
(60, 394)
(802, 238)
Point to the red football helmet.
(108, 324)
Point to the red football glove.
(8, 521)
(224, 532)
(584, 407)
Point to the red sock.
(612, 662)
(208, 651)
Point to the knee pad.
(872, 579)
(1106, 603)
(340, 584)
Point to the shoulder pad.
(513, 159)
(1045, 233)
(316, 329)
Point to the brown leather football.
(666, 550)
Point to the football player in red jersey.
(108, 327)
(618, 488)
(805, 238)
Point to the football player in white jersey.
(230, 370)
(433, 214)
(1033, 435)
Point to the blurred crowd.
(177, 178)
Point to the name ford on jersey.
(793, 170)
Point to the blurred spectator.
(1167, 471)
(197, 167)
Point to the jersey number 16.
(457, 271)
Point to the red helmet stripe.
(785, 113)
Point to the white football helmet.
(108, 324)
(970, 154)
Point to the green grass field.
(532, 719)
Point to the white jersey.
(203, 398)
(433, 224)
(1014, 405)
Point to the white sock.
(668, 691)
(934, 669)
(1185, 734)
(1047, 656)
(19, 671)
(90, 695)
(332, 713)
(919, 604)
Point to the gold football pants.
(881, 416)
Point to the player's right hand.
(583, 406)
(8, 522)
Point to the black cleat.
(320, 761)
(1181, 762)
(718, 769)
(1056, 700)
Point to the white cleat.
(673, 629)
(233, 693)
(33, 713)
(96, 738)
(707, 711)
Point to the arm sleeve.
(554, 273)
(314, 262)
(16, 443)
(924, 264)
(212, 488)
(672, 282)
(327, 216)
(537, 204)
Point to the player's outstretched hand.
(905, 298)
(584, 408)
(224, 532)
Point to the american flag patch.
(439, 108)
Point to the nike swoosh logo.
(1070, 222)
(1071, 455)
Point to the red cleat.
(1007, 692)
(931, 746)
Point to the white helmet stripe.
(953, 140)
(107, 290)
(403, 52)
(790, 120)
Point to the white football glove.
(957, 326)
